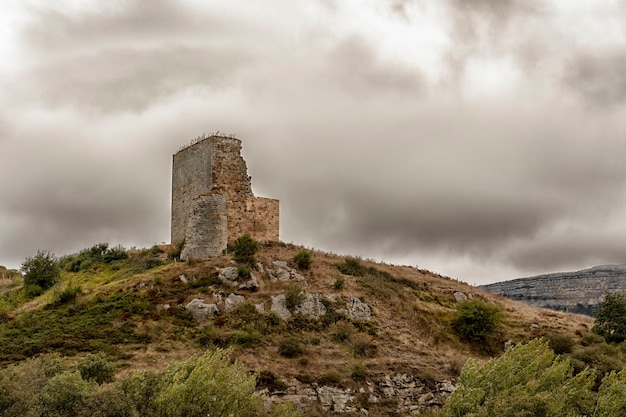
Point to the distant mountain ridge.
(577, 292)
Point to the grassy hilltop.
(130, 305)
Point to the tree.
(611, 318)
(40, 271)
(528, 380)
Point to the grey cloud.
(354, 67)
(130, 79)
(365, 155)
(69, 203)
(599, 77)
(569, 252)
(446, 191)
(135, 22)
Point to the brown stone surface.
(212, 199)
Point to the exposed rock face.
(282, 272)
(579, 291)
(410, 394)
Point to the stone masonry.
(212, 199)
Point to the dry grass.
(412, 311)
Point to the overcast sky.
(481, 139)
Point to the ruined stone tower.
(212, 200)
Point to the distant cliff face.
(577, 292)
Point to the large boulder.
(232, 301)
(229, 275)
(201, 310)
(279, 307)
(311, 306)
(358, 310)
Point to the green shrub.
(246, 338)
(142, 389)
(68, 295)
(339, 283)
(108, 400)
(65, 395)
(592, 339)
(33, 290)
(329, 378)
(209, 385)
(611, 398)
(602, 357)
(362, 346)
(294, 296)
(303, 259)
(97, 367)
(476, 320)
(117, 253)
(342, 332)
(41, 270)
(352, 266)
(176, 249)
(21, 384)
(305, 378)
(243, 249)
(243, 271)
(528, 380)
(88, 258)
(358, 372)
(290, 347)
(269, 380)
(146, 259)
(560, 343)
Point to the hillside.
(578, 291)
(358, 336)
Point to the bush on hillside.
(41, 270)
(303, 259)
(560, 343)
(218, 388)
(476, 320)
(352, 266)
(97, 367)
(243, 249)
(294, 296)
(97, 254)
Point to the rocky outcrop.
(579, 291)
(280, 271)
(410, 394)
(230, 276)
(358, 310)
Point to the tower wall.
(212, 199)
